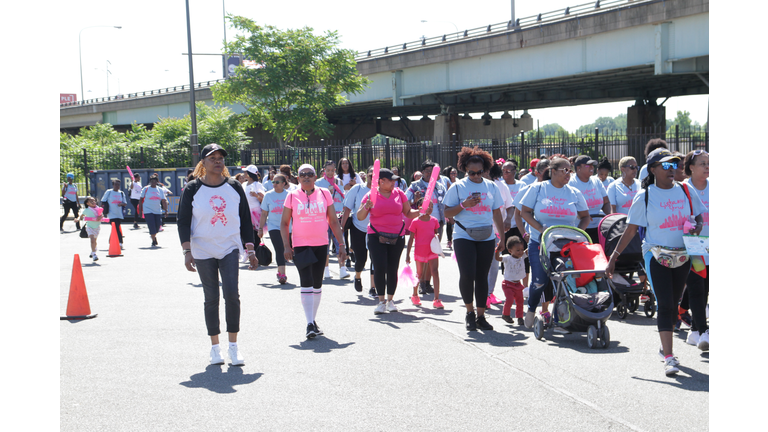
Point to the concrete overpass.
(620, 50)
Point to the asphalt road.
(142, 363)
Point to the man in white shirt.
(135, 187)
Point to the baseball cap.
(386, 173)
(210, 148)
(660, 155)
(534, 163)
(252, 169)
(584, 159)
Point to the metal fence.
(407, 155)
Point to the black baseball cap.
(386, 173)
(584, 159)
(661, 155)
(210, 148)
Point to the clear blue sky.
(147, 52)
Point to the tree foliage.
(300, 76)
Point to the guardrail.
(503, 27)
(174, 89)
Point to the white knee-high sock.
(317, 293)
(307, 301)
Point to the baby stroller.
(626, 289)
(578, 309)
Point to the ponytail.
(648, 180)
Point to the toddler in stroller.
(583, 300)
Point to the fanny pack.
(388, 238)
(479, 233)
(670, 257)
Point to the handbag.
(478, 234)
(388, 238)
(83, 232)
(263, 254)
(585, 256)
(670, 257)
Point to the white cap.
(252, 169)
(307, 166)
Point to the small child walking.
(514, 273)
(92, 227)
(422, 230)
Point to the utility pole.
(192, 111)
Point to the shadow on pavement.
(496, 338)
(691, 381)
(320, 344)
(218, 381)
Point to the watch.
(186, 251)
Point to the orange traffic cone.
(114, 243)
(77, 306)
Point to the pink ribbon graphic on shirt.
(219, 210)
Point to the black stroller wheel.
(621, 310)
(634, 303)
(650, 308)
(605, 336)
(538, 328)
(591, 336)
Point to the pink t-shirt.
(424, 232)
(310, 216)
(386, 215)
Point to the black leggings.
(69, 205)
(116, 225)
(667, 284)
(277, 243)
(698, 296)
(312, 275)
(358, 245)
(474, 259)
(386, 258)
(449, 230)
(136, 214)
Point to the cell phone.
(476, 194)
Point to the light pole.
(80, 54)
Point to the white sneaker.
(95, 258)
(121, 247)
(235, 357)
(391, 306)
(693, 338)
(671, 366)
(327, 273)
(703, 343)
(381, 308)
(216, 358)
(343, 273)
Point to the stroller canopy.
(611, 229)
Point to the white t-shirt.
(254, 203)
(215, 227)
(507, 197)
(514, 268)
(136, 190)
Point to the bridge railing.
(406, 154)
(174, 89)
(503, 27)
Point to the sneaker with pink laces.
(415, 300)
(437, 304)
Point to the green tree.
(301, 76)
(683, 120)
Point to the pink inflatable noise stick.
(375, 181)
(430, 188)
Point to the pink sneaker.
(415, 300)
(437, 304)
(494, 300)
(488, 303)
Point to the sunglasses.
(564, 170)
(668, 165)
(474, 173)
(632, 167)
(699, 152)
(276, 181)
(307, 174)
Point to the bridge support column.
(645, 120)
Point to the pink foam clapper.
(130, 173)
(375, 181)
(430, 188)
(688, 226)
(94, 219)
(407, 280)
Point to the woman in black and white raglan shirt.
(214, 224)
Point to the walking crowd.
(495, 215)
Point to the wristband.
(186, 251)
(461, 204)
(251, 252)
(246, 245)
